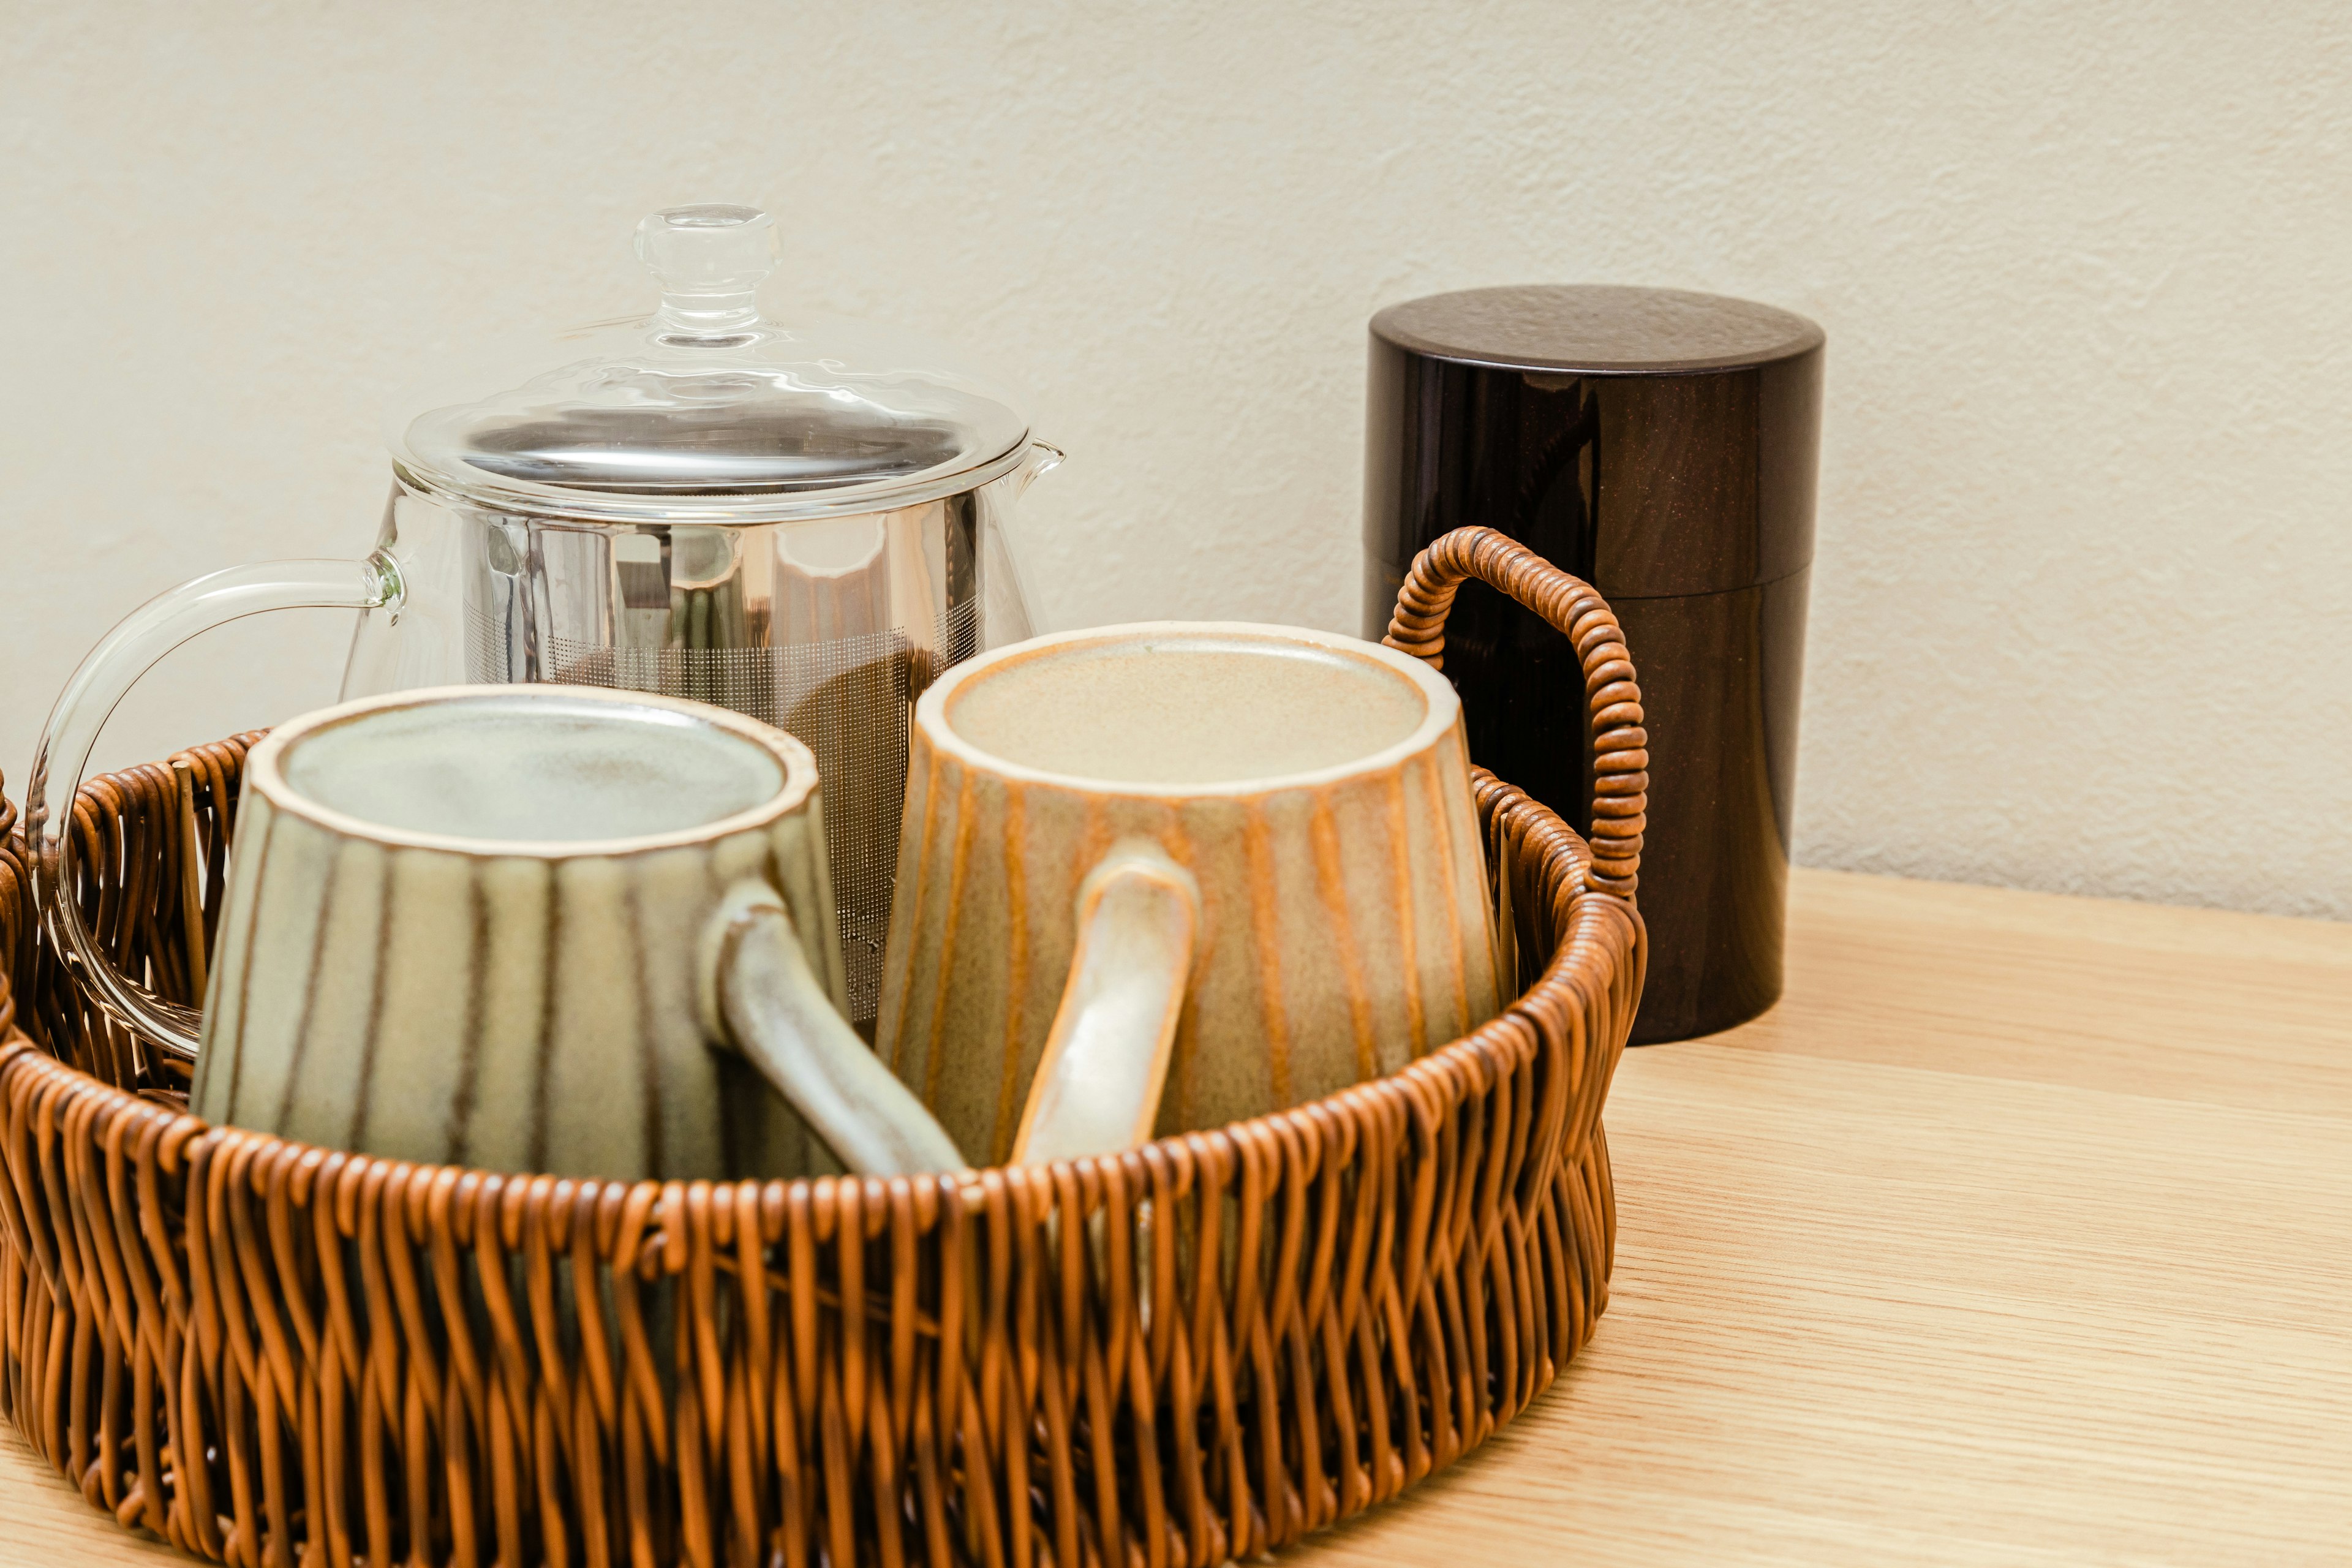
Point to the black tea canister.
(1663, 445)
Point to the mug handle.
(1621, 746)
(761, 997)
(99, 682)
(1099, 1080)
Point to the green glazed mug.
(544, 929)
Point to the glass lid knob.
(709, 260)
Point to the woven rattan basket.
(270, 1353)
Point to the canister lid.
(1597, 329)
(708, 411)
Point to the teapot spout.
(1041, 458)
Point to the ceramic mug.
(1170, 875)
(544, 927)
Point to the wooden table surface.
(2020, 1233)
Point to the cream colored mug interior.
(1189, 710)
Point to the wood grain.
(2016, 1234)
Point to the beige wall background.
(2084, 574)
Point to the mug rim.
(1441, 713)
(265, 775)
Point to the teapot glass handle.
(99, 682)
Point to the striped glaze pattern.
(516, 1011)
(1345, 928)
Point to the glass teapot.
(804, 525)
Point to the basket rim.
(1433, 1082)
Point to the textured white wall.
(2084, 568)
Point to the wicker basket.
(270, 1353)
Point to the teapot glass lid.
(707, 410)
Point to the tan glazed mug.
(1170, 875)
(544, 927)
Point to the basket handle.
(1620, 755)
